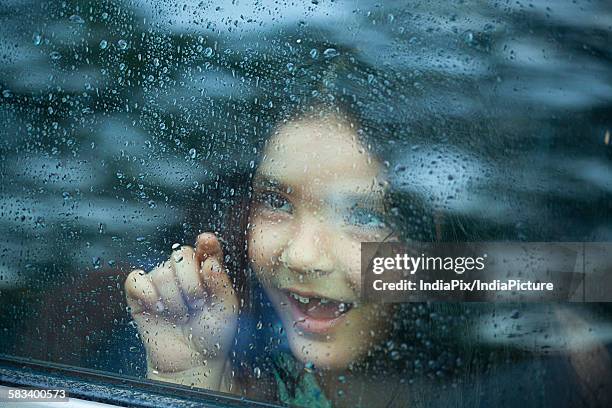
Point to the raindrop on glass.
(330, 53)
(76, 19)
(468, 37)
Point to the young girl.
(320, 187)
(317, 194)
(325, 182)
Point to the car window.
(186, 187)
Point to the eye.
(363, 217)
(276, 202)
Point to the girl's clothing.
(296, 385)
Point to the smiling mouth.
(315, 314)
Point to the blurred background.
(118, 119)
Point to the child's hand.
(186, 311)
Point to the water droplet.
(37, 39)
(259, 325)
(55, 55)
(314, 53)
(7, 94)
(192, 153)
(76, 19)
(103, 44)
(330, 53)
(208, 52)
(309, 366)
(290, 67)
(176, 246)
(162, 126)
(257, 372)
(122, 44)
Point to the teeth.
(306, 300)
(301, 299)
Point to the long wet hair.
(390, 118)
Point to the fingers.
(157, 291)
(188, 275)
(166, 284)
(208, 246)
(209, 255)
(188, 279)
(140, 292)
(218, 282)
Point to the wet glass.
(185, 186)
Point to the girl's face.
(317, 196)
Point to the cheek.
(348, 254)
(267, 239)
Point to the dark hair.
(387, 123)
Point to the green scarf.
(296, 385)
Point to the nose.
(309, 250)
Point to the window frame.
(109, 388)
